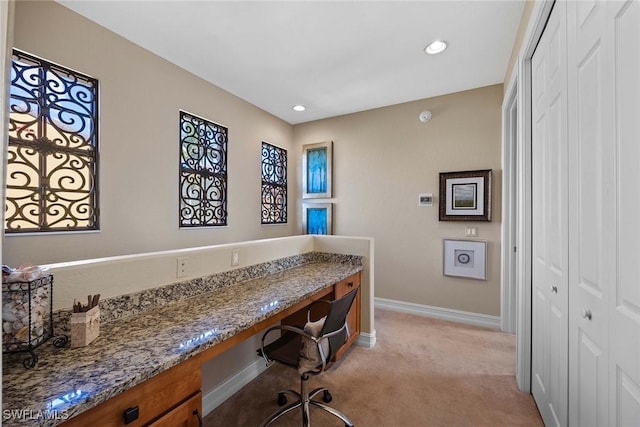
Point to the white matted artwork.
(465, 258)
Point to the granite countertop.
(66, 381)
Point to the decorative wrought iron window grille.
(274, 184)
(52, 156)
(203, 172)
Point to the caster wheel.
(282, 399)
(326, 397)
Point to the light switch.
(471, 231)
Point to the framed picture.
(316, 218)
(316, 170)
(465, 258)
(465, 196)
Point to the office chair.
(309, 350)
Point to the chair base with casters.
(304, 400)
(294, 343)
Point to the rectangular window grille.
(274, 184)
(203, 172)
(52, 156)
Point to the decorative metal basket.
(27, 317)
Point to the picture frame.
(317, 170)
(465, 196)
(317, 218)
(465, 258)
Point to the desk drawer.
(188, 414)
(154, 398)
(344, 286)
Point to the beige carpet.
(422, 372)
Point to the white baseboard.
(218, 395)
(476, 319)
(366, 340)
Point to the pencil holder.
(85, 327)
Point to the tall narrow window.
(203, 172)
(274, 184)
(52, 156)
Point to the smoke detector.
(425, 116)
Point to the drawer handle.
(350, 284)
(131, 414)
(197, 414)
(554, 289)
(587, 314)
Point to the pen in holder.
(85, 322)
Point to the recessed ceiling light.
(436, 47)
(299, 108)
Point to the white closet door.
(550, 221)
(591, 183)
(623, 29)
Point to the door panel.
(586, 200)
(590, 202)
(623, 19)
(587, 402)
(540, 351)
(549, 221)
(628, 394)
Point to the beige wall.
(383, 159)
(140, 95)
(524, 22)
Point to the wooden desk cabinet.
(188, 414)
(342, 288)
(168, 399)
(173, 398)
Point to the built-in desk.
(153, 359)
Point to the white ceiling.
(334, 57)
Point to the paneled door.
(623, 34)
(549, 361)
(591, 180)
(604, 236)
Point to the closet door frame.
(520, 81)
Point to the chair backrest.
(336, 319)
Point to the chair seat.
(286, 349)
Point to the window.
(52, 156)
(274, 184)
(203, 172)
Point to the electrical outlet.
(235, 258)
(182, 267)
